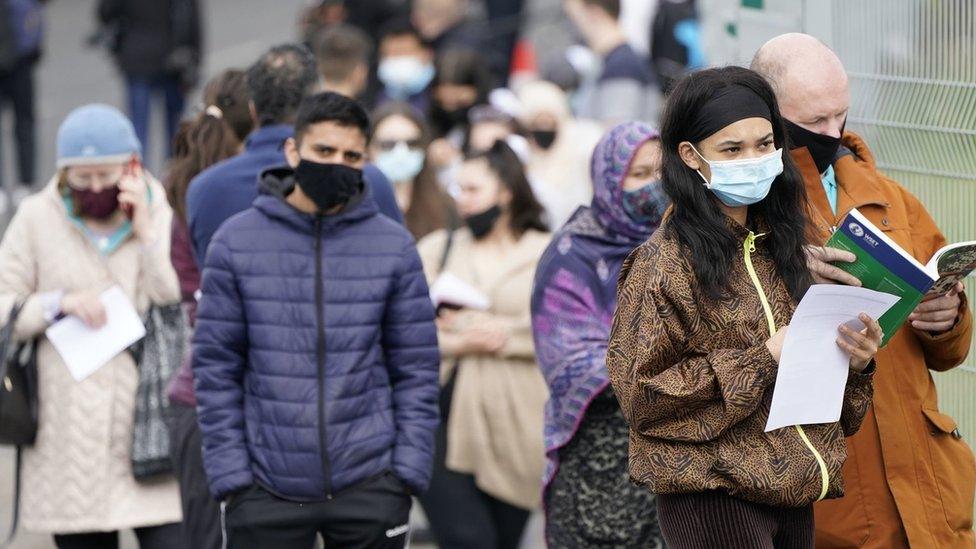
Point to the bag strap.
(447, 251)
(15, 510)
(7, 342)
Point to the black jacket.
(154, 37)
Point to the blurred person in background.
(676, 41)
(366, 15)
(100, 222)
(157, 47)
(21, 39)
(343, 53)
(277, 82)
(560, 148)
(487, 124)
(461, 82)
(589, 498)
(625, 89)
(215, 134)
(315, 352)
(446, 26)
(406, 66)
(490, 454)
(399, 149)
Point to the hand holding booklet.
(813, 370)
(85, 350)
(884, 266)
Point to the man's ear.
(291, 152)
(688, 155)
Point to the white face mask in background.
(401, 164)
(404, 75)
(742, 182)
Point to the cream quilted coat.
(77, 476)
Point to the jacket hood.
(276, 183)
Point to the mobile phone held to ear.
(133, 168)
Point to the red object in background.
(524, 66)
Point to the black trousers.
(461, 516)
(201, 512)
(373, 515)
(17, 89)
(714, 519)
(166, 536)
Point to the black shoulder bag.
(18, 400)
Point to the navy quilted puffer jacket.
(315, 352)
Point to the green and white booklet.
(882, 265)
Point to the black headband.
(731, 104)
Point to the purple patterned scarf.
(575, 292)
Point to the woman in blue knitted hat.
(100, 222)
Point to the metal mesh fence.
(912, 65)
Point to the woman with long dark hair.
(398, 147)
(489, 451)
(703, 310)
(215, 134)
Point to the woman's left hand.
(863, 345)
(134, 196)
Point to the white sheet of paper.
(448, 288)
(85, 350)
(812, 368)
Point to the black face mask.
(328, 185)
(481, 224)
(823, 148)
(444, 120)
(544, 138)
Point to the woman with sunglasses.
(703, 309)
(100, 222)
(399, 150)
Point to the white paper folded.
(812, 368)
(85, 350)
(451, 290)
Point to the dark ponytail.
(212, 136)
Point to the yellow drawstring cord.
(748, 248)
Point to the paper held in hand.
(85, 350)
(813, 370)
(450, 290)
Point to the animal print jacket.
(695, 380)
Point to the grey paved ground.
(71, 75)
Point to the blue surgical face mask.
(401, 164)
(404, 75)
(743, 182)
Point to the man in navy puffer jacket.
(315, 352)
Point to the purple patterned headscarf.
(611, 162)
(575, 292)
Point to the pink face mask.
(96, 205)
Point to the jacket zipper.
(748, 248)
(320, 356)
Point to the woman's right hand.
(483, 341)
(775, 343)
(86, 306)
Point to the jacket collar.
(277, 183)
(858, 181)
(268, 137)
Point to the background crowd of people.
(312, 202)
